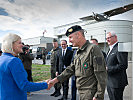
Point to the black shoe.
(61, 98)
(53, 94)
(57, 94)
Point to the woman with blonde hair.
(13, 77)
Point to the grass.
(40, 72)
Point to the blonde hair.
(7, 42)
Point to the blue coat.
(13, 79)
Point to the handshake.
(51, 82)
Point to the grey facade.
(39, 42)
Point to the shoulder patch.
(99, 60)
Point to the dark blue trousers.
(73, 88)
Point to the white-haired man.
(117, 63)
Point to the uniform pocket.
(87, 94)
(78, 69)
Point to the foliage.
(40, 72)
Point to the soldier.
(95, 41)
(44, 53)
(88, 67)
(53, 59)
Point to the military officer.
(88, 67)
(53, 59)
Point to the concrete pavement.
(40, 61)
(45, 95)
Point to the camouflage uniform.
(44, 53)
(53, 59)
(90, 71)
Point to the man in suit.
(117, 63)
(63, 60)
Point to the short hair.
(27, 45)
(7, 42)
(94, 39)
(83, 32)
(112, 33)
(65, 41)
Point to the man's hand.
(106, 68)
(56, 74)
(49, 84)
(52, 82)
(94, 98)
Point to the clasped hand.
(50, 83)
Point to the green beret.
(73, 29)
(54, 40)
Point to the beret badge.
(70, 30)
(73, 29)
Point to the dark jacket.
(61, 61)
(117, 63)
(26, 60)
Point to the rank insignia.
(70, 30)
(85, 65)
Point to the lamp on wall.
(105, 41)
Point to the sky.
(30, 18)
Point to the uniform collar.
(84, 46)
(56, 49)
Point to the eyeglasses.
(109, 37)
(63, 44)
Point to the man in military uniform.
(44, 53)
(88, 67)
(53, 59)
(95, 41)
